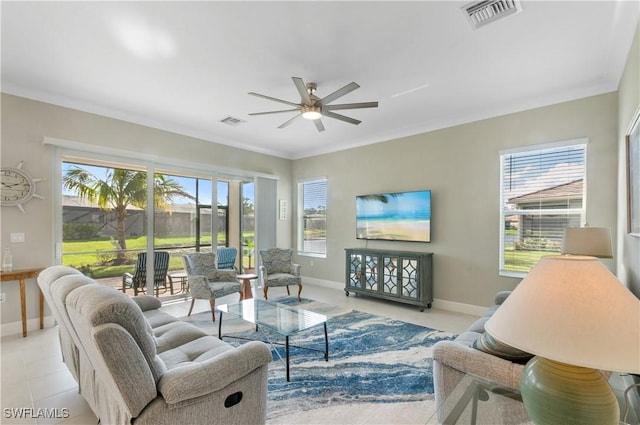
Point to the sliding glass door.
(114, 210)
(106, 221)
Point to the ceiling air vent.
(232, 121)
(484, 12)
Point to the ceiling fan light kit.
(311, 112)
(312, 107)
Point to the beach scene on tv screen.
(404, 216)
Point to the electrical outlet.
(311, 263)
(3, 297)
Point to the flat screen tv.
(399, 216)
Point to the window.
(312, 218)
(542, 192)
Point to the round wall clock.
(17, 187)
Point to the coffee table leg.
(326, 343)
(220, 326)
(287, 352)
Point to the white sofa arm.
(467, 360)
(200, 378)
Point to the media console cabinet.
(403, 276)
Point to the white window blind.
(542, 192)
(312, 224)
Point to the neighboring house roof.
(75, 201)
(571, 190)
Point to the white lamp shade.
(592, 241)
(573, 310)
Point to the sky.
(529, 172)
(187, 183)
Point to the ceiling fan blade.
(274, 112)
(319, 124)
(339, 93)
(340, 117)
(286, 102)
(302, 89)
(286, 123)
(351, 106)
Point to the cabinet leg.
(346, 292)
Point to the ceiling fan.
(313, 108)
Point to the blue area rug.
(371, 359)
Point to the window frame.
(300, 237)
(581, 211)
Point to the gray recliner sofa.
(136, 364)
(453, 360)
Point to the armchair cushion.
(203, 288)
(283, 279)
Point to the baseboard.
(15, 328)
(324, 283)
(474, 310)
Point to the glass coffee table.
(476, 401)
(279, 318)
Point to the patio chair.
(206, 282)
(138, 279)
(277, 269)
(227, 258)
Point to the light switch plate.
(17, 237)
(283, 209)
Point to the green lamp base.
(558, 393)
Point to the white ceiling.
(184, 66)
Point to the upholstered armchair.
(277, 269)
(206, 282)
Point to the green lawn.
(95, 257)
(522, 260)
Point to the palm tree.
(119, 190)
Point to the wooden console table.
(22, 276)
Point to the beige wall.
(628, 104)
(461, 167)
(24, 125)
(459, 164)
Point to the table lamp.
(592, 241)
(577, 319)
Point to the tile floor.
(34, 377)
